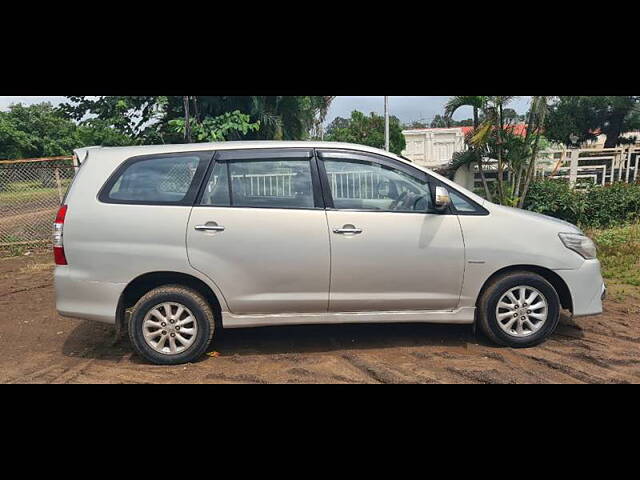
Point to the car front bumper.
(586, 286)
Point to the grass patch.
(619, 253)
(12, 250)
(13, 245)
(16, 197)
(33, 190)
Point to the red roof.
(519, 129)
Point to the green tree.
(336, 124)
(415, 125)
(217, 129)
(42, 130)
(367, 130)
(35, 131)
(440, 121)
(149, 119)
(576, 119)
(134, 116)
(98, 132)
(511, 116)
(443, 121)
(468, 122)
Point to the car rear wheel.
(170, 325)
(519, 309)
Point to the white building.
(433, 147)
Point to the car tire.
(504, 324)
(171, 325)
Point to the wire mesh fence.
(31, 191)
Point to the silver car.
(173, 242)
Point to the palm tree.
(454, 103)
(492, 125)
(322, 105)
(287, 117)
(477, 103)
(537, 116)
(498, 102)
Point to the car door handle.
(207, 228)
(347, 229)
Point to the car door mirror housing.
(442, 199)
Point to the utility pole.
(386, 123)
(187, 124)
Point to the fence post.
(628, 164)
(573, 171)
(620, 163)
(59, 185)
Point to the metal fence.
(31, 191)
(599, 166)
(361, 184)
(266, 184)
(579, 167)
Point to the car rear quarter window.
(164, 180)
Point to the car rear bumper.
(586, 286)
(79, 297)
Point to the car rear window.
(165, 180)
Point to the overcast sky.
(405, 108)
(408, 109)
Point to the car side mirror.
(442, 199)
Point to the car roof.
(232, 145)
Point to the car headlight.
(579, 243)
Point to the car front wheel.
(519, 309)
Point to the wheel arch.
(148, 281)
(566, 301)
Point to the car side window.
(163, 180)
(363, 185)
(270, 183)
(461, 205)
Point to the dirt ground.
(38, 346)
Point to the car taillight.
(58, 242)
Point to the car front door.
(259, 231)
(389, 249)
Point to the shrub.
(595, 207)
(612, 205)
(556, 199)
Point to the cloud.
(28, 100)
